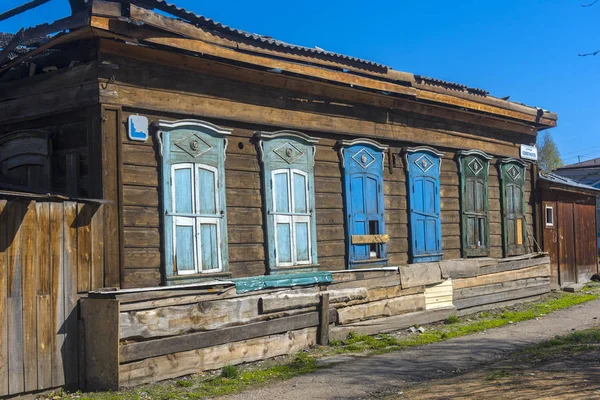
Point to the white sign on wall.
(137, 128)
(529, 152)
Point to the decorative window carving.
(195, 219)
(287, 170)
(474, 170)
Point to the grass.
(234, 379)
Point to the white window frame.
(196, 218)
(291, 218)
(551, 223)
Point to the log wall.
(51, 254)
(140, 186)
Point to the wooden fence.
(51, 252)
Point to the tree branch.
(589, 54)
(590, 4)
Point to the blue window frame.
(287, 170)
(423, 170)
(362, 162)
(193, 193)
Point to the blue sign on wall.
(137, 128)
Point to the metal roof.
(554, 178)
(450, 85)
(24, 47)
(594, 162)
(208, 23)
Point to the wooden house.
(569, 228)
(223, 160)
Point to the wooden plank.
(474, 291)
(323, 328)
(28, 259)
(513, 275)
(69, 350)
(3, 300)
(43, 236)
(84, 245)
(16, 378)
(514, 265)
(391, 324)
(57, 291)
(439, 296)
(500, 304)
(420, 274)
(101, 321)
(383, 308)
(97, 248)
(503, 296)
(288, 301)
(110, 187)
(368, 239)
(384, 281)
(44, 341)
(159, 347)
(190, 362)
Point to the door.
(585, 237)
(566, 241)
(550, 237)
(423, 167)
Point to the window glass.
(549, 216)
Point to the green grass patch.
(456, 327)
(571, 343)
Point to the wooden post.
(323, 331)
(101, 335)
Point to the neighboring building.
(587, 173)
(182, 151)
(569, 228)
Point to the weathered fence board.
(532, 290)
(383, 308)
(42, 257)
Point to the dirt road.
(378, 376)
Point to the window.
(474, 170)
(512, 177)
(287, 169)
(423, 170)
(362, 161)
(195, 222)
(549, 216)
(25, 161)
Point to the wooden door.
(566, 243)
(550, 238)
(585, 237)
(424, 199)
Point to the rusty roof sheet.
(208, 23)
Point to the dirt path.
(377, 376)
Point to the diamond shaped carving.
(288, 152)
(513, 172)
(194, 145)
(424, 163)
(363, 158)
(475, 166)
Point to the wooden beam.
(21, 9)
(78, 34)
(369, 239)
(308, 87)
(200, 340)
(323, 331)
(72, 22)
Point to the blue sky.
(525, 49)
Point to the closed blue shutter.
(363, 197)
(423, 169)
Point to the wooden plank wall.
(50, 254)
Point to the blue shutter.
(363, 200)
(423, 168)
